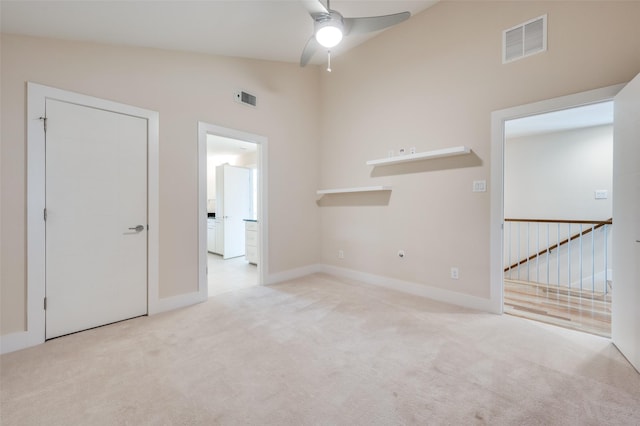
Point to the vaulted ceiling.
(261, 29)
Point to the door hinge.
(45, 214)
(44, 123)
(45, 303)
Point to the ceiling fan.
(330, 27)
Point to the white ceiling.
(574, 118)
(261, 29)
(219, 145)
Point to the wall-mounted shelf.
(438, 153)
(355, 189)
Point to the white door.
(237, 207)
(625, 323)
(96, 192)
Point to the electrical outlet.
(479, 186)
(401, 254)
(455, 273)
(412, 150)
(390, 153)
(340, 254)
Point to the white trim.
(262, 216)
(153, 201)
(36, 101)
(498, 119)
(180, 301)
(409, 287)
(14, 342)
(292, 274)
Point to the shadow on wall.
(430, 165)
(355, 199)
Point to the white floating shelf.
(357, 189)
(438, 153)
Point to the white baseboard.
(176, 302)
(21, 340)
(293, 274)
(16, 341)
(416, 289)
(25, 339)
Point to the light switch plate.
(601, 194)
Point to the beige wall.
(184, 88)
(555, 175)
(431, 83)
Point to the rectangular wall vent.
(246, 98)
(524, 40)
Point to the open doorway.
(232, 189)
(232, 209)
(558, 172)
(499, 226)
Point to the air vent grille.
(525, 39)
(246, 98)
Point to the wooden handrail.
(599, 224)
(589, 222)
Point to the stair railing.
(557, 251)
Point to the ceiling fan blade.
(373, 23)
(315, 7)
(309, 50)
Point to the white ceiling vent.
(524, 40)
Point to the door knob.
(138, 228)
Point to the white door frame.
(36, 180)
(498, 119)
(261, 142)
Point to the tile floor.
(231, 274)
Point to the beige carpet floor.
(321, 351)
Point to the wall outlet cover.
(455, 273)
(479, 186)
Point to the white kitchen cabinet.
(251, 241)
(219, 244)
(211, 235)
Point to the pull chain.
(328, 60)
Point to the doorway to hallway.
(625, 317)
(558, 217)
(232, 213)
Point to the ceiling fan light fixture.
(330, 26)
(329, 33)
